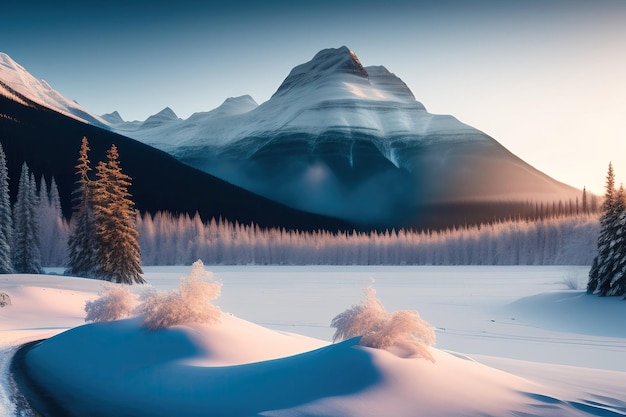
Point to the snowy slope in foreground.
(18, 81)
(237, 368)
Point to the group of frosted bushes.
(402, 332)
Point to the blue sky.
(546, 78)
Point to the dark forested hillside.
(49, 143)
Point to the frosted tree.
(118, 256)
(82, 242)
(6, 220)
(52, 227)
(615, 262)
(605, 263)
(26, 252)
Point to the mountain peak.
(9, 63)
(381, 77)
(164, 116)
(327, 62)
(113, 118)
(167, 113)
(24, 87)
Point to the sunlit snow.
(526, 349)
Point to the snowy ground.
(510, 341)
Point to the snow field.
(256, 356)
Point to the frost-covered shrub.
(115, 303)
(380, 329)
(190, 304)
(5, 300)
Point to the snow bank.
(237, 368)
(182, 371)
(573, 311)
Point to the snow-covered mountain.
(163, 117)
(337, 139)
(351, 141)
(19, 85)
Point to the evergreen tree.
(82, 243)
(6, 220)
(118, 256)
(615, 264)
(26, 254)
(605, 264)
(52, 228)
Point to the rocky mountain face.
(345, 140)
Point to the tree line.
(32, 231)
(166, 239)
(107, 239)
(99, 242)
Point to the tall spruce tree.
(6, 220)
(52, 227)
(82, 242)
(606, 263)
(118, 256)
(614, 282)
(617, 284)
(26, 254)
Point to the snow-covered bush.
(380, 329)
(5, 300)
(115, 303)
(190, 304)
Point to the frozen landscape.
(510, 341)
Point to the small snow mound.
(402, 332)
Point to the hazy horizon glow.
(545, 79)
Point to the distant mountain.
(345, 140)
(113, 118)
(20, 85)
(49, 142)
(337, 139)
(163, 117)
(116, 123)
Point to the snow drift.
(237, 368)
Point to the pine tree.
(52, 228)
(615, 263)
(26, 254)
(6, 220)
(118, 255)
(82, 243)
(604, 265)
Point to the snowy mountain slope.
(337, 139)
(351, 141)
(49, 142)
(18, 81)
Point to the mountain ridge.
(349, 141)
(49, 141)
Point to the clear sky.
(546, 78)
